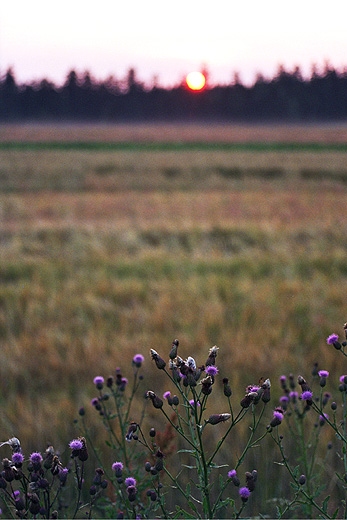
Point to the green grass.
(219, 146)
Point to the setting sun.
(196, 80)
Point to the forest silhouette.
(287, 96)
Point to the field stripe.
(172, 146)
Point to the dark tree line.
(288, 96)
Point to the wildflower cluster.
(200, 415)
(37, 485)
(188, 415)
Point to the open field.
(106, 253)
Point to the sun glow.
(196, 80)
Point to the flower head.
(76, 445)
(138, 359)
(211, 370)
(98, 382)
(36, 458)
(332, 338)
(130, 481)
(17, 459)
(167, 394)
(244, 493)
(323, 373)
(117, 467)
(307, 395)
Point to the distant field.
(176, 132)
(108, 252)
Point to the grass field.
(106, 252)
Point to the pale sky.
(47, 38)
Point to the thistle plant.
(138, 473)
(319, 485)
(203, 482)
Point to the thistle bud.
(211, 360)
(218, 417)
(157, 402)
(158, 360)
(226, 387)
(173, 351)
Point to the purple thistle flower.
(277, 414)
(244, 493)
(307, 395)
(323, 373)
(117, 466)
(138, 359)
(232, 473)
(167, 394)
(332, 338)
(130, 481)
(323, 418)
(17, 459)
(284, 399)
(98, 382)
(293, 396)
(343, 379)
(192, 403)
(76, 445)
(36, 458)
(211, 370)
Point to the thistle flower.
(323, 418)
(158, 360)
(36, 460)
(99, 382)
(130, 481)
(307, 396)
(212, 370)
(278, 415)
(333, 340)
(233, 475)
(79, 449)
(138, 359)
(244, 493)
(217, 418)
(167, 394)
(117, 468)
(323, 374)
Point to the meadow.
(115, 240)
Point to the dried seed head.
(217, 418)
(158, 360)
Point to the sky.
(168, 39)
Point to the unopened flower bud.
(217, 418)
(173, 351)
(158, 360)
(302, 480)
(226, 387)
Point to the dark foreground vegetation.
(288, 96)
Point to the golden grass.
(177, 132)
(107, 254)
